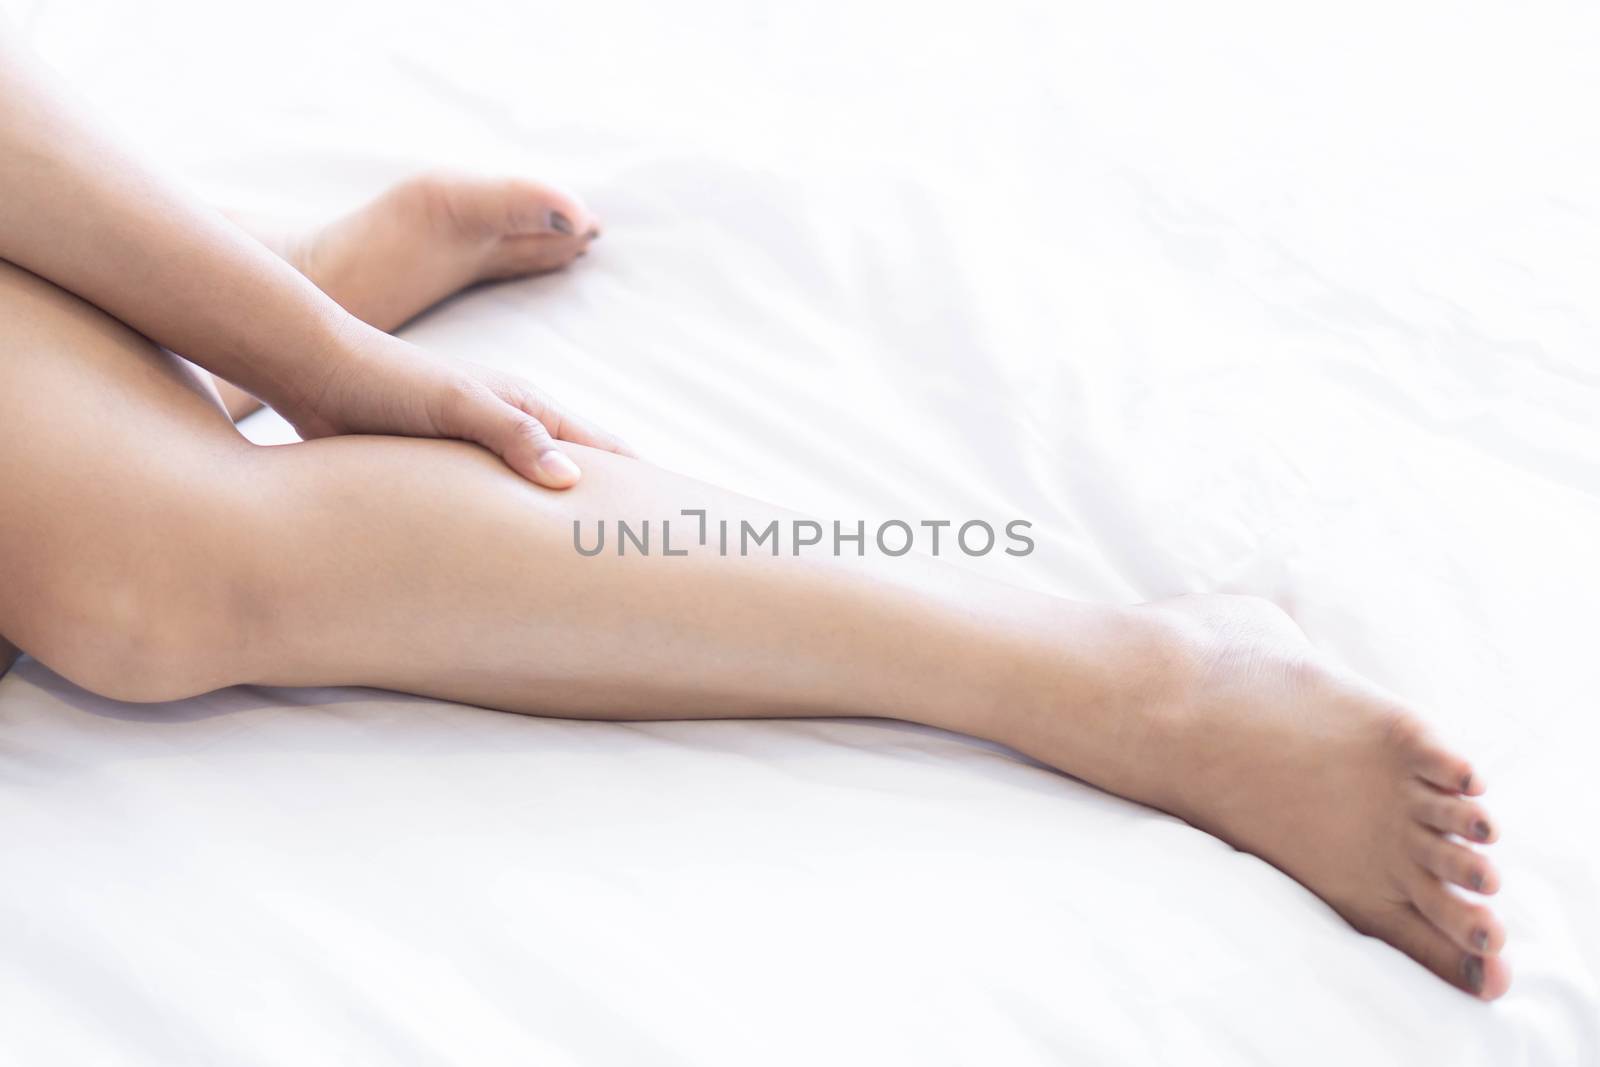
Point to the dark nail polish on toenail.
(1466, 783)
(561, 224)
(1477, 880)
(1472, 973)
(1480, 830)
(1480, 939)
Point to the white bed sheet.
(1219, 296)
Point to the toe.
(1410, 932)
(1454, 863)
(491, 208)
(1443, 768)
(1452, 814)
(522, 254)
(1496, 977)
(532, 208)
(1432, 762)
(1468, 925)
(543, 229)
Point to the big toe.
(533, 227)
(516, 207)
(1408, 930)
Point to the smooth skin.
(80, 210)
(149, 552)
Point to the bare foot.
(426, 239)
(1255, 738)
(434, 235)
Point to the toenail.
(1466, 779)
(1480, 939)
(560, 223)
(1477, 880)
(1472, 973)
(1480, 830)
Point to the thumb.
(525, 445)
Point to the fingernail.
(1480, 830)
(558, 468)
(1472, 973)
(561, 224)
(1480, 939)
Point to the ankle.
(1108, 697)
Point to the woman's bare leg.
(151, 553)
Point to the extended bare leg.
(152, 553)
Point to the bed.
(1299, 302)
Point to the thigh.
(116, 462)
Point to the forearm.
(80, 210)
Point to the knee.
(143, 638)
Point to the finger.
(523, 442)
(572, 428)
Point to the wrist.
(298, 382)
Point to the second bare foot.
(432, 236)
(424, 240)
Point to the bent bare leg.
(152, 553)
(423, 240)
